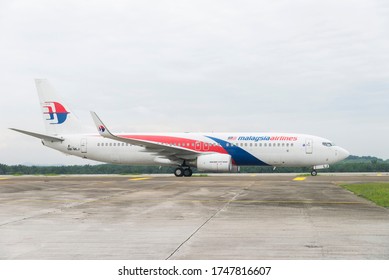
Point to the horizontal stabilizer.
(40, 136)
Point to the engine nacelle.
(214, 162)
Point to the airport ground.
(253, 216)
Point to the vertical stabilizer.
(57, 116)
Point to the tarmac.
(244, 216)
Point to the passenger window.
(265, 145)
(98, 144)
(251, 144)
(283, 144)
(260, 144)
(291, 144)
(110, 144)
(278, 144)
(287, 144)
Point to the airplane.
(208, 152)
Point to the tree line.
(351, 164)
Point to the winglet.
(103, 130)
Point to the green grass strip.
(376, 192)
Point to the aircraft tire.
(313, 172)
(188, 172)
(179, 172)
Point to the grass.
(304, 175)
(200, 175)
(376, 192)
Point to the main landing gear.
(313, 172)
(183, 171)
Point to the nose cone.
(342, 153)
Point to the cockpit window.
(327, 144)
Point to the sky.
(315, 67)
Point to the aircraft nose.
(343, 153)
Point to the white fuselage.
(210, 152)
(254, 149)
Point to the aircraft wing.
(163, 150)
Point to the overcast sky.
(316, 67)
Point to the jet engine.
(214, 162)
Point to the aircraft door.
(308, 146)
(83, 145)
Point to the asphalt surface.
(215, 217)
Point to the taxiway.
(214, 217)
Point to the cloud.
(316, 67)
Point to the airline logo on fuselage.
(56, 112)
(264, 138)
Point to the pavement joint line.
(201, 226)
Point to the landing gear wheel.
(179, 172)
(313, 172)
(188, 172)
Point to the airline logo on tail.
(56, 112)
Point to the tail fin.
(57, 116)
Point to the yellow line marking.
(299, 178)
(379, 174)
(3, 178)
(139, 179)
